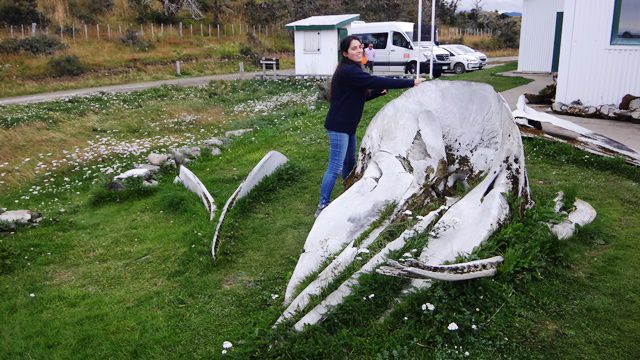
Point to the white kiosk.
(317, 39)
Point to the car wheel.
(458, 68)
(411, 68)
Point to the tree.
(19, 12)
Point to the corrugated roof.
(323, 22)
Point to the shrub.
(36, 45)
(19, 12)
(88, 10)
(132, 38)
(68, 65)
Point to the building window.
(311, 42)
(626, 23)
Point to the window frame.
(615, 28)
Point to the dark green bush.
(89, 10)
(36, 45)
(21, 12)
(68, 65)
(132, 38)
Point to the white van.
(394, 49)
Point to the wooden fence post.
(191, 30)
(142, 30)
(171, 28)
(61, 33)
(22, 30)
(86, 32)
(209, 30)
(201, 30)
(73, 31)
(233, 31)
(119, 29)
(33, 29)
(153, 31)
(218, 31)
(225, 30)
(162, 29)
(180, 30)
(98, 31)
(109, 31)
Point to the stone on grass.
(150, 183)
(626, 101)
(141, 173)
(213, 142)
(239, 132)
(157, 159)
(152, 168)
(115, 186)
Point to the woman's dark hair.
(344, 47)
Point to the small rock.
(157, 159)
(557, 106)
(589, 111)
(179, 158)
(576, 103)
(635, 116)
(608, 111)
(150, 183)
(115, 186)
(634, 104)
(213, 142)
(626, 101)
(239, 132)
(17, 216)
(152, 168)
(214, 150)
(143, 173)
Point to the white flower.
(474, 327)
(371, 296)
(452, 327)
(406, 318)
(466, 353)
(408, 213)
(32, 295)
(274, 296)
(227, 345)
(224, 352)
(428, 306)
(363, 251)
(477, 309)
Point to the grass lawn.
(130, 275)
(111, 62)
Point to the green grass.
(492, 76)
(132, 277)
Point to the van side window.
(379, 40)
(400, 40)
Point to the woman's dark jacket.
(350, 88)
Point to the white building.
(599, 47)
(317, 39)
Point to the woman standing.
(350, 88)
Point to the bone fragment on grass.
(267, 166)
(415, 269)
(558, 129)
(191, 182)
(582, 215)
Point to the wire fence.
(100, 32)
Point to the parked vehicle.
(395, 52)
(461, 60)
(481, 56)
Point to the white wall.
(591, 69)
(537, 34)
(322, 63)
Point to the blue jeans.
(342, 159)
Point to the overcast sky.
(490, 5)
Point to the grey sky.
(490, 5)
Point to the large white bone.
(437, 131)
(269, 163)
(421, 143)
(581, 137)
(191, 182)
